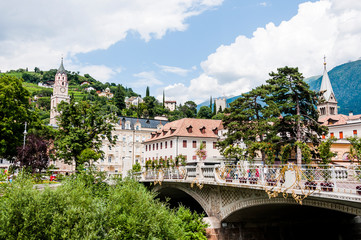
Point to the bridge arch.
(243, 204)
(184, 195)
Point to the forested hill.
(346, 84)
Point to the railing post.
(199, 170)
(333, 178)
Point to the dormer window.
(172, 130)
(215, 131)
(164, 132)
(190, 129)
(203, 130)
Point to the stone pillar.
(214, 228)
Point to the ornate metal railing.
(300, 181)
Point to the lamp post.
(25, 132)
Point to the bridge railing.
(324, 178)
(315, 177)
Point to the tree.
(119, 97)
(147, 92)
(81, 127)
(325, 152)
(34, 155)
(189, 109)
(14, 112)
(214, 108)
(204, 112)
(249, 120)
(210, 103)
(297, 106)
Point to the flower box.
(311, 185)
(327, 186)
(358, 190)
(253, 180)
(243, 180)
(271, 182)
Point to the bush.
(84, 207)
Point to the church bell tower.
(328, 105)
(60, 92)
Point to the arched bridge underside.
(232, 204)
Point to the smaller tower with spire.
(60, 92)
(328, 105)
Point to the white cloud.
(174, 70)
(326, 27)
(99, 72)
(263, 4)
(145, 79)
(37, 33)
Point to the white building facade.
(128, 150)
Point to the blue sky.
(192, 49)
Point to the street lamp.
(25, 132)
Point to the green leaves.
(83, 208)
(82, 126)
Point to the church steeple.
(326, 86)
(328, 105)
(61, 68)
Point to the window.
(189, 129)
(161, 145)
(171, 144)
(110, 159)
(194, 157)
(137, 128)
(323, 111)
(332, 110)
(203, 130)
(171, 157)
(214, 145)
(146, 147)
(355, 133)
(341, 135)
(332, 135)
(157, 146)
(153, 146)
(165, 144)
(194, 144)
(204, 144)
(184, 143)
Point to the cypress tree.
(147, 92)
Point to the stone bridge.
(231, 197)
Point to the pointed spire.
(326, 83)
(61, 68)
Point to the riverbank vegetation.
(84, 207)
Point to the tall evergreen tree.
(147, 92)
(163, 99)
(297, 106)
(210, 103)
(214, 108)
(119, 97)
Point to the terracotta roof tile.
(179, 128)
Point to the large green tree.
(248, 120)
(14, 112)
(204, 112)
(119, 97)
(81, 127)
(297, 107)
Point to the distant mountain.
(346, 84)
